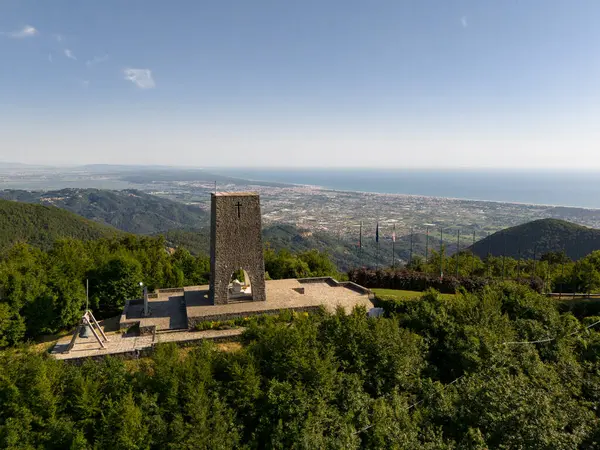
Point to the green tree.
(113, 282)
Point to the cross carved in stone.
(238, 205)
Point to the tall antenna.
(215, 186)
(87, 294)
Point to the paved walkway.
(281, 294)
(168, 313)
(119, 344)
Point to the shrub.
(418, 281)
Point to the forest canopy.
(435, 373)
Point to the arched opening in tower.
(240, 287)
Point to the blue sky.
(275, 83)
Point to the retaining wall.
(193, 321)
(334, 283)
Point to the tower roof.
(234, 194)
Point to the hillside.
(541, 236)
(344, 252)
(128, 210)
(41, 225)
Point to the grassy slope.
(128, 210)
(42, 225)
(397, 294)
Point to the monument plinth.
(236, 243)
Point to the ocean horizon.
(571, 189)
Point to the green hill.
(539, 237)
(344, 252)
(41, 225)
(129, 210)
(278, 237)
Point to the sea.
(558, 188)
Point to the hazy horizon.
(539, 170)
(263, 84)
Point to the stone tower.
(235, 243)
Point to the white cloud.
(25, 32)
(96, 60)
(141, 77)
(69, 54)
(50, 57)
(85, 83)
(59, 37)
(463, 21)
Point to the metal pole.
(441, 252)
(427, 245)
(87, 322)
(457, 251)
(518, 258)
(503, 255)
(534, 260)
(473, 255)
(393, 253)
(411, 245)
(562, 275)
(489, 256)
(360, 261)
(95, 322)
(87, 294)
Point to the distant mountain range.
(41, 225)
(541, 236)
(129, 210)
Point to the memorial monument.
(236, 243)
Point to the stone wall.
(236, 243)
(169, 290)
(193, 321)
(334, 283)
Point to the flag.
(377, 233)
(360, 236)
(394, 234)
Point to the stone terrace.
(167, 312)
(175, 312)
(131, 346)
(291, 294)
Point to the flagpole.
(503, 255)
(360, 245)
(441, 252)
(534, 256)
(394, 248)
(457, 251)
(473, 255)
(427, 245)
(518, 258)
(411, 246)
(377, 242)
(489, 256)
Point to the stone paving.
(174, 314)
(167, 312)
(281, 294)
(119, 343)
